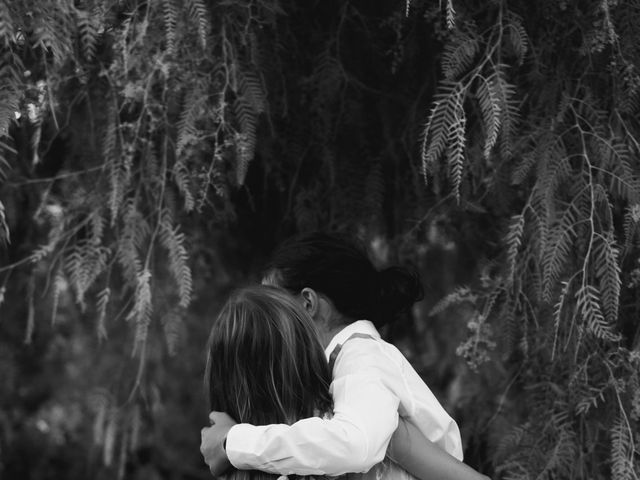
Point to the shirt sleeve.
(353, 440)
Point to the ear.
(310, 301)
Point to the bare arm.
(423, 459)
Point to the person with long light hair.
(265, 363)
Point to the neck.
(329, 320)
(327, 334)
(332, 326)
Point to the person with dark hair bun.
(376, 392)
(343, 273)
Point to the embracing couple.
(300, 382)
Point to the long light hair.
(265, 362)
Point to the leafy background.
(153, 154)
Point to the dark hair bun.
(341, 270)
(399, 288)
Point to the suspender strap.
(337, 348)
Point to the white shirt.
(372, 384)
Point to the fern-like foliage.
(111, 156)
(5, 236)
(524, 168)
(135, 231)
(558, 311)
(249, 104)
(83, 264)
(635, 394)
(513, 242)
(561, 456)
(517, 36)
(625, 182)
(459, 54)
(446, 123)
(455, 153)
(589, 305)
(622, 450)
(560, 289)
(189, 137)
(450, 14)
(89, 27)
(103, 301)
(187, 131)
(509, 111)
(561, 238)
(4, 164)
(170, 12)
(459, 295)
(174, 242)
(541, 150)
(587, 397)
(631, 226)
(141, 311)
(200, 16)
(54, 32)
(11, 71)
(7, 25)
(442, 117)
(607, 271)
(181, 176)
(490, 106)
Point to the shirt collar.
(359, 326)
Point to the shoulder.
(362, 354)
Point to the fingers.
(220, 417)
